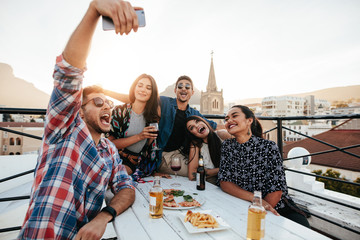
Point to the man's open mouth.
(105, 118)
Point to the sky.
(261, 48)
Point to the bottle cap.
(257, 193)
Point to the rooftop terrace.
(334, 214)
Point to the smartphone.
(108, 24)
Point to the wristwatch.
(110, 210)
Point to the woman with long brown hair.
(251, 163)
(203, 140)
(129, 127)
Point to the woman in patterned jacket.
(129, 127)
(250, 163)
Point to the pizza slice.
(193, 203)
(170, 202)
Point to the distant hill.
(17, 93)
(334, 94)
(329, 94)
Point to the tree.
(7, 118)
(338, 186)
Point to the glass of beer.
(156, 199)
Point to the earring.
(248, 133)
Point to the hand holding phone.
(108, 24)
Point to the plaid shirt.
(72, 174)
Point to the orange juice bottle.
(256, 219)
(156, 199)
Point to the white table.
(135, 222)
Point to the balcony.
(331, 213)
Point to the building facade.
(283, 106)
(346, 110)
(15, 144)
(309, 128)
(212, 101)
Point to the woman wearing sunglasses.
(205, 141)
(129, 127)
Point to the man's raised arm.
(118, 96)
(78, 46)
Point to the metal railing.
(279, 128)
(23, 111)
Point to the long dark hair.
(151, 108)
(214, 142)
(256, 127)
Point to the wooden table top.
(135, 222)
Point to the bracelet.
(111, 211)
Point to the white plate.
(191, 229)
(180, 199)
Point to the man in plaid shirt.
(76, 165)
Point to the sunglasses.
(99, 102)
(181, 86)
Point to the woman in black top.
(250, 163)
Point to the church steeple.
(212, 101)
(211, 86)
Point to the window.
(18, 141)
(5, 135)
(11, 153)
(215, 104)
(12, 142)
(17, 153)
(4, 148)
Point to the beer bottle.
(256, 219)
(156, 199)
(200, 175)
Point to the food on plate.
(173, 192)
(188, 200)
(170, 202)
(192, 203)
(201, 220)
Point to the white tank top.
(206, 156)
(137, 124)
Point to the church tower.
(212, 101)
